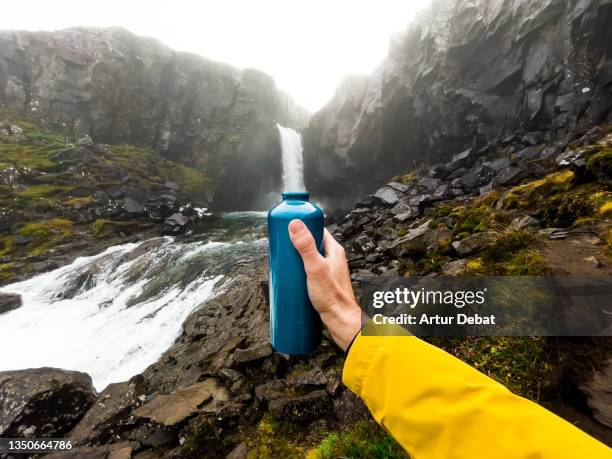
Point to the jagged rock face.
(464, 74)
(115, 87)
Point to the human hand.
(329, 283)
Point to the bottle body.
(295, 326)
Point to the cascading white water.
(114, 314)
(293, 164)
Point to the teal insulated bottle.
(295, 326)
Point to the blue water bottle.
(295, 326)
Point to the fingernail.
(296, 227)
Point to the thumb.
(304, 243)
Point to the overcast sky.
(307, 46)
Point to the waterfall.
(113, 314)
(293, 164)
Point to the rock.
(497, 164)
(115, 402)
(507, 81)
(43, 402)
(171, 409)
(398, 187)
(176, 223)
(475, 242)
(477, 176)
(508, 176)
(387, 196)
(239, 452)
(253, 354)
(455, 267)
(594, 262)
(412, 234)
(9, 302)
(599, 394)
(574, 158)
(520, 223)
(363, 244)
(529, 153)
(429, 183)
(132, 207)
(302, 408)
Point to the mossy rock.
(105, 228)
(599, 161)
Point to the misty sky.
(308, 47)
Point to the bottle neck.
(296, 196)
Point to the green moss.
(609, 242)
(7, 272)
(274, 438)
(47, 234)
(599, 160)
(83, 202)
(526, 262)
(43, 191)
(6, 245)
(533, 193)
(402, 232)
(406, 179)
(364, 439)
(507, 244)
(469, 219)
(105, 228)
(516, 362)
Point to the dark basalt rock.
(9, 302)
(458, 79)
(43, 402)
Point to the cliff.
(117, 88)
(463, 75)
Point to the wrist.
(343, 321)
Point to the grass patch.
(105, 228)
(470, 219)
(405, 179)
(44, 191)
(47, 234)
(599, 160)
(83, 202)
(515, 362)
(364, 439)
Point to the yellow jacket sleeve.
(438, 407)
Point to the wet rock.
(9, 302)
(43, 402)
(410, 236)
(477, 176)
(302, 408)
(475, 242)
(367, 202)
(253, 354)
(176, 223)
(104, 417)
(455, 267)
(387, 196)
(171, 409)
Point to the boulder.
(398, 187)
(43, 402)
(176, 407)
(114, 403)
(475, 242)
(509, 176)
(387, 196)
(9, 302)
(132, 206)
(176, 223)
